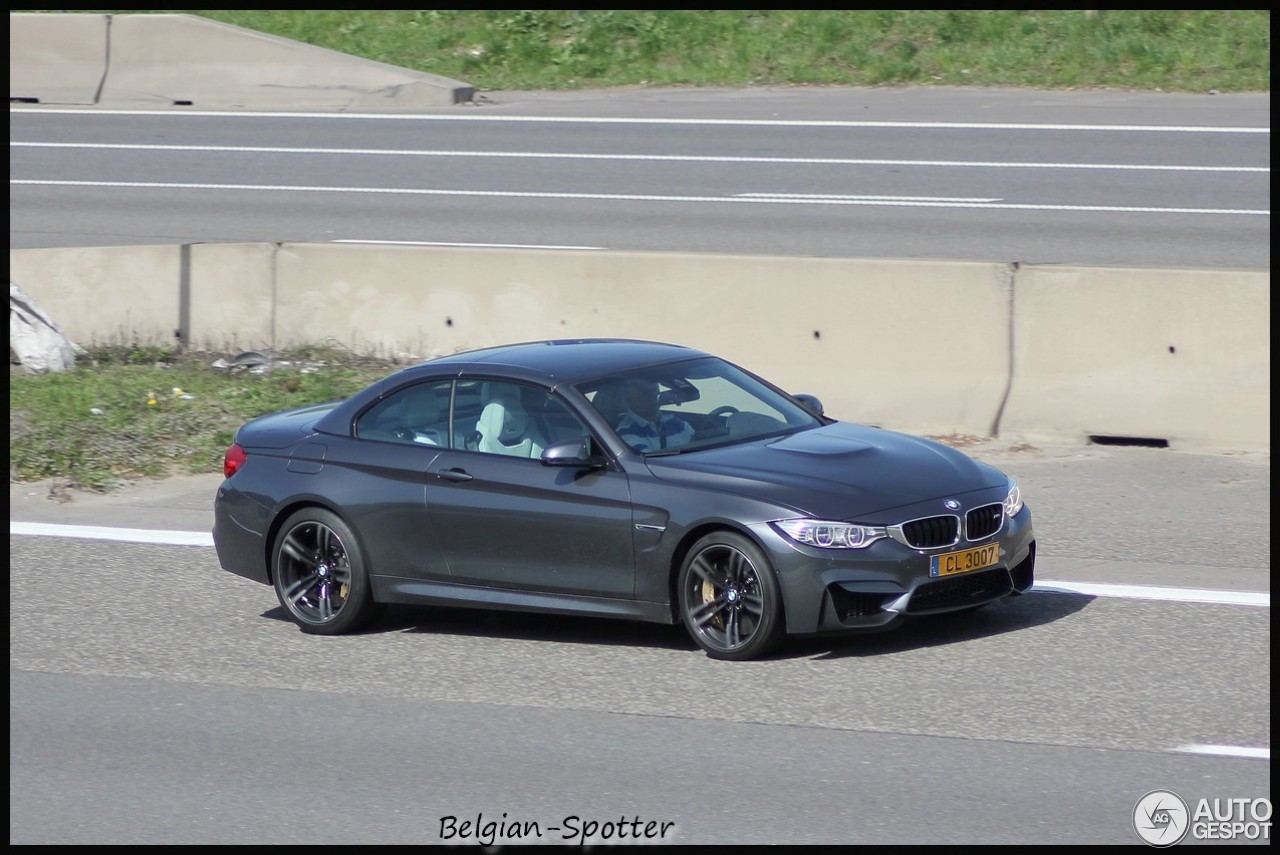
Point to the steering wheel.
(726, 410)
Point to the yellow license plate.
(951, 563)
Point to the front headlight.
(830, 535)
(1013, 501)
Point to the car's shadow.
(1035, 609)
(527, 626)
(532, 626)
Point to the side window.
(413, 415)
(560, 422)
(499, 417)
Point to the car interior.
(418, 414)
(510, 419)
(504, 427)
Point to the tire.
(729, 598)
(319, 574)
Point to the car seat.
(504, 428)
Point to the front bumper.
(846, 591)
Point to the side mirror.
(810, 403)
(572, 452)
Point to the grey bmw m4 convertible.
(614, 478)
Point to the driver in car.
(644, 426)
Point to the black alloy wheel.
(319, 574)
(729, 598)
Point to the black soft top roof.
(556, 362)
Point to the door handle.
(454, 475)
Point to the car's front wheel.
(729, 598)
(319, 574)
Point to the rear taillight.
(233, 460)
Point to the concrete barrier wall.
(114, 294)
(1179, 355)
(232, 296)
(1028, 353)
(162, 60)
(849, 331)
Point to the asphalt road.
(1090, 178)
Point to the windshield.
(695, 404)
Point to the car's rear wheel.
(319, 574)
(729, 597)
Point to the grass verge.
(126, 413)
(1191, 50)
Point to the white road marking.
(131, 535)
(624, 197)
(459, 243)
(1227, 751)
(1147, 592)
(676, 158)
